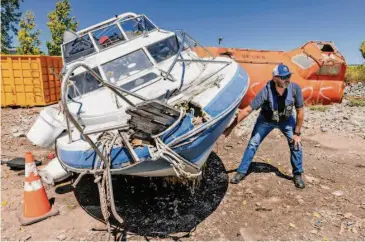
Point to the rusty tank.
(318, 67)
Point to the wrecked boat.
(318, 67)
(137, 100)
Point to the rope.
(104, 201)
(178, 162)
(106, 141)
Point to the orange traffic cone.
(36, 206)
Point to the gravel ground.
(265, 206)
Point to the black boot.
(237, 177)
(298, 181)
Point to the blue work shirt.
(262, 100)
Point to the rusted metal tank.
(318, 68)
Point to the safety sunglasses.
(285, 77)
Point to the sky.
(257, 24)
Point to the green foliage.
(362, 49)
(28, 37)
(319, 108)
(59, 22)
(355, 73)
(356, 102)
(9, 19)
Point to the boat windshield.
(126, 66)
(136, 26)
(108, 36)
(105, 37)
(83, 83)
(164, 49)
(192, 45)
(77, 48)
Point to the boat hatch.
(325, 47)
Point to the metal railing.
(64, 90)
(69, 117)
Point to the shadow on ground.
(157, 208)
(260, 167)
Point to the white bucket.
(53, 172)
(48, 126)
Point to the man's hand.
(242, 114)
(297, 141)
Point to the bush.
(356, 102)
(355, 73)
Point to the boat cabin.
(128, 50)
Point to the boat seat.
(100, 123)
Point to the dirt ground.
(265, 206)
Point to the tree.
(59, 22)
(28, 37)
(362, 49)
(9, 19)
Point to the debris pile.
(340, 117)
(20, 122)
(357, 89)
(15, 124)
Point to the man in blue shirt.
(277, 101)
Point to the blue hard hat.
(281, 70)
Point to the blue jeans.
(261, 130)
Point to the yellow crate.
(26, 80)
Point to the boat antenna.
(220, 39)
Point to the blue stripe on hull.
(120, 157)
(229, 94)
(197, 149)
